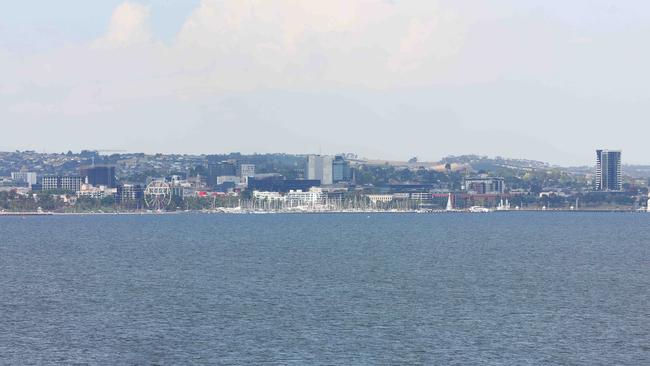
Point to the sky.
(547, 80)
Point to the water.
(349, 289)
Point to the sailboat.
(503, 206)
(450, 205)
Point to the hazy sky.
(547, 80)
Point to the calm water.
(458, 289)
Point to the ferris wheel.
(158, 195)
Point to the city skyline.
(315, 183)
(385, 79)
(108, 152)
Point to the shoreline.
(244, 212)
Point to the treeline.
(11, 201)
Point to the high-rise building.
(221, 168)
(608, 170)
(245, 171)
(24, 177)
(319, 167)
(341, 171)
(99, 175)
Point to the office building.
(608, 170)
(319, 167)
(245, 171)
(485, 185)
(341, 171)
(67, 183)
(24, 177)
(99, 175)
(220, 169)
(128, 193)
(71, 183)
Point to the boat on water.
(504, 206)
(479, 209)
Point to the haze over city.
(543, 80)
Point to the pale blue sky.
(547, 80)
(29, 24)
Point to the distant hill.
(479, 163)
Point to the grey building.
(129, 192)
(24, 177)
(485, 185)
(99, 175)
(245, 171)
(319, 167)
(341, 171)
(221, 168)
(608, 170)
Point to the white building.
(268, 196)
(312, 197)
(228, 179)
(320, 167)
(245, 171)
(51, 183)
(419, 196)
(374, 198)
(88, 190)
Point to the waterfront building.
(485, 185)
(279, 184)
(49, 183)
(65, 183)
(382, 198)
(129, 193)
(401, 196)
(99, 175)
(420, 196)
(71, 183)
(608, 170)
(319, 167)
(268, 196)
(88, 190)
(312, 197)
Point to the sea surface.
(326, 289)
